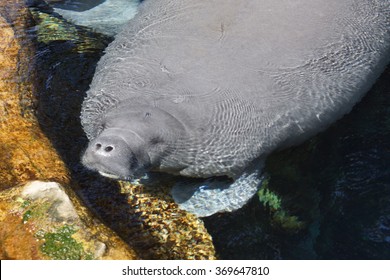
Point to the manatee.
(107, 17)
(206, 90)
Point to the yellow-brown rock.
(26, 154)
(19, 130)
(173, 233)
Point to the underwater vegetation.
(60, 245)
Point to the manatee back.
(246, 77)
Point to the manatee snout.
(113, 157)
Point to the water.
(334, 190)
(337, 183)
(75, 5)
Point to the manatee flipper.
(106, 18)
(207, 197)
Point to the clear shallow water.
(337, 184)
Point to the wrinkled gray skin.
(210, 88)
(106, 18)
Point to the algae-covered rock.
(61, 209)
(28, 155)
(60, 245)
(51, 28)
(40, 221)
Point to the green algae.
(26, 216)
(288, 222)
(60, 245)
(52, 28)
(31, 210)
(23, 203)
(280, 217)
(269, 198)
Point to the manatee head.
(132, 141)
(117, 153)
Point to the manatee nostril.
(98, 146)
(109, 149)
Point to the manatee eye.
(148, 114)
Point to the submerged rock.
(174, 233)
(50, 28)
